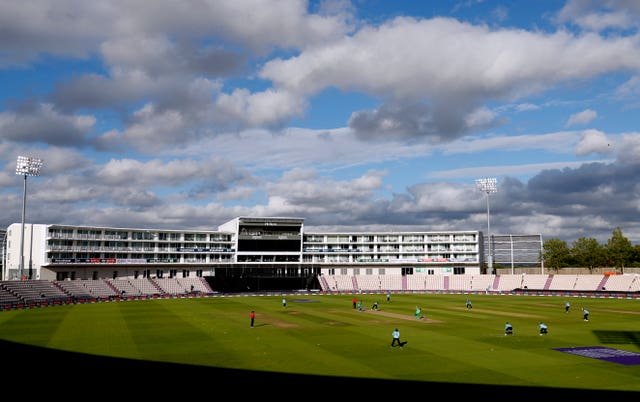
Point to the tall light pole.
(488, 186)
(26, 166)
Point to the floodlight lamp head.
(28, 166)
(487, 185)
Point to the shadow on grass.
(618, 337)
(38, 371)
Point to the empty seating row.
(42, 292)
(475, 283)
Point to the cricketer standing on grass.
(395, 335)
(585, 314)
(252, 316)
(508, 328)
(566, 307)
(543, 328)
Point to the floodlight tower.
(488, 186)
(26, 166)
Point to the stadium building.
(245, 253)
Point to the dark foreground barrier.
(37, 372)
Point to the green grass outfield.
(323, 335)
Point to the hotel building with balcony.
(249, 247)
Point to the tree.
(588, 253)
(555, 253)
(619, 250)
(636, 256)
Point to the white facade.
(385, 253)
(33, 256)
(55, 252)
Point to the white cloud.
(598, 15)
(581, 118)
(594, 141)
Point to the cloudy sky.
(356, 116)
